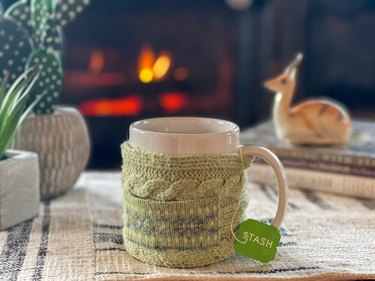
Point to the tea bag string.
(239, 200)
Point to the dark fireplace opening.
(129, 60)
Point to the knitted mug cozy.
(178, 210)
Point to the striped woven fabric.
(78, 237)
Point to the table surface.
(78, 237)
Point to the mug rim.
(234, 128)
(210, 136)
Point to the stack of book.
(348, 169)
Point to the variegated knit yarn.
(178, 209)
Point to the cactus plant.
(54, 37)
(37, 25)
(51, 79)
(66, 11)
(40, 11)
(20, 11)
(15, 48)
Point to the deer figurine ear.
(292, 73)
(291, 70)
(294, 64)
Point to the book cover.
(316, 180)
(359, 152)
(331, 167)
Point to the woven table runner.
(78, 237)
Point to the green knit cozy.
(178, 209)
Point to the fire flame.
(96, 61)
(151, 68)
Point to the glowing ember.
(145, 63)
(161, 66)
(146, 75)
(151, 69)
(128, 106)
(173, 102)
(96, 61)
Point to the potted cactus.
(30, 35)
(19, 171)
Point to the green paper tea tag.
(257, 240)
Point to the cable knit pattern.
(178, 209)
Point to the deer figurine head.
(285, 82)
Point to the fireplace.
(128, 60)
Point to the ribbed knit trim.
(178, 209)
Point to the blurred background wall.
(126, 60)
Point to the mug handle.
(271, 159)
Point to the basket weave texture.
(62, 143)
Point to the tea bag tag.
(257, 240)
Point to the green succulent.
(14, 107)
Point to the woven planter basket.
(62, 143)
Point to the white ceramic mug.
(193, 135)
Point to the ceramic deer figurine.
(313, 122)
